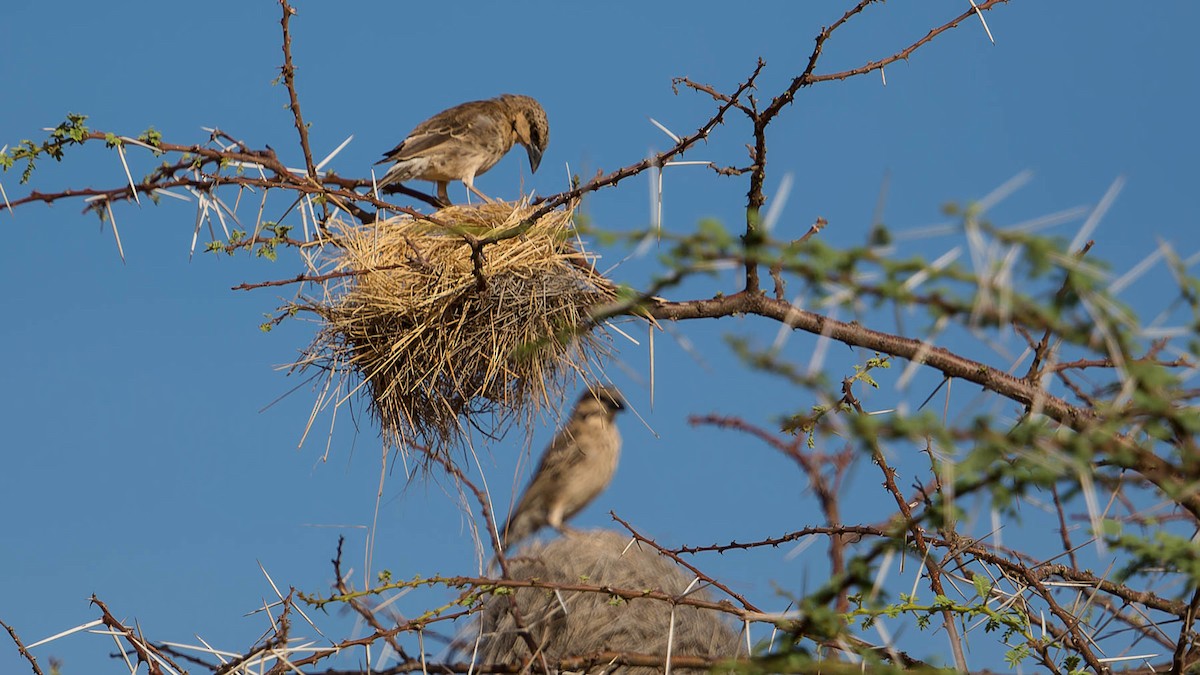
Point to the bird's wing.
(557, 461)
(457, 123)
(563, 452)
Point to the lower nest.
(588, 627)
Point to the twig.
(746, 604)
(21, 648)
(289, 79)
(146, 652)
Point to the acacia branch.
(1155, 469)
(21, 648)
(146, 652)
(554, 201)
(289, 79)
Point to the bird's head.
(602, 398)
(531, 125)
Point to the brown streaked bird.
(575, 469)
(467, 140)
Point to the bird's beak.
(535, 157)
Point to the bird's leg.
(469, 181)
(555, 517)
(443, 193)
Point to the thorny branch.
(37, 670)
(288, 71)
(146, 652)
(367, 614)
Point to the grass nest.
(471, 318)
(568, 624)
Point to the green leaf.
(1016, 655)
(983, 586)
(151, 136)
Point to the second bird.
(574, 470)
(467, 140)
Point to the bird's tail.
(520, 526)
(392, 175)
(403, 170)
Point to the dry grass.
(441, 339)
(571, 623)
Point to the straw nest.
(441, 333)
(566, 624)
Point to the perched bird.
(467, 140)
(575, 469)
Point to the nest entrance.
(475, 316)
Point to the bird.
(465, 141)
(575, 468)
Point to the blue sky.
(141, 465)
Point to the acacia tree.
(1096, 416)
